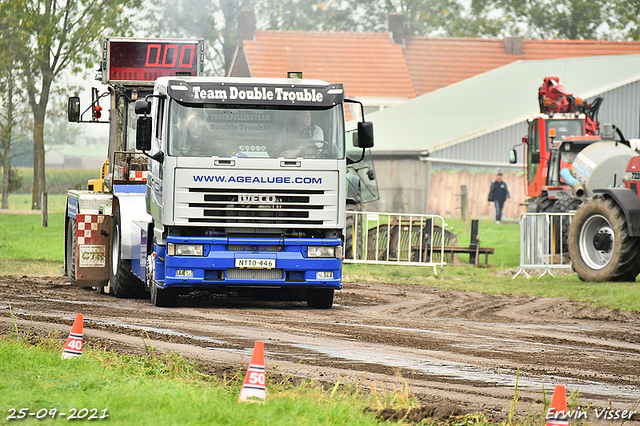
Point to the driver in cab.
(300, 134)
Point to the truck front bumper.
(249, 262)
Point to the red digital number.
(190, 51)
(170, 56)
(153, 55)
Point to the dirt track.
(446, 346)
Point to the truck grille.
(254, 274)
(258, 206)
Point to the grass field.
(28, 249)
(56, 202)
(161, 390)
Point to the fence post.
(45, 212)
(464, 207)
(473, 242)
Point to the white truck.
(229, 185)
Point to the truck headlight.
(185, 249)
(321, 251)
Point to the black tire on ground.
(544, 203)
(599, 243)
(163, 297)
(71, 251)
(124, 284)
(348, 238)
(320, 298)
(562, 227)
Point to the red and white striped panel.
(88, 227)
(137, 176)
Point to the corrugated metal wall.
(621, 107)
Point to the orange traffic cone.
(73, 347)
(253, 388)
(557, 414)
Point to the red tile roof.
(368, 64)
(438, 62)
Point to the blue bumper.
(290, 266)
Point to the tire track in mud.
(446, 346)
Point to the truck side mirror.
(73, 110)
(143, 132)
(513, 156)
(365, 135)
(143, 107)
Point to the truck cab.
(226, 185)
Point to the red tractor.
(562, 118)
(573, 163)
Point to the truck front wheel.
(599, 243)
(124, 284)
(320, 298)
(162, 298)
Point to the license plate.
(256, 263)
(635, 175)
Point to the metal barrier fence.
(395, 238)
(543, 242)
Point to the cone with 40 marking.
(73, 348)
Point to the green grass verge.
(28, 249)
(56, 202)
(165, 389)
(22, 237)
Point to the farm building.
(471, 126)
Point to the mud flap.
(92, 250)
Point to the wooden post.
(45, 211)
(464, 207)
(473, 242)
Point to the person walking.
(499, 193)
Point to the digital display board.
(145, 60)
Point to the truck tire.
(162, 298)
(348, 239)
(71, 251)
(320, 298)
(599, 243)
(124, 285)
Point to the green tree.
(557, 19)
(50, 37)
(626, 19)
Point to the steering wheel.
(324, 148)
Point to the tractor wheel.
(599, 243)
(544, 203)
(349, 231)
(124, 284)
(320, 298)
(561, 227)
(71, 251)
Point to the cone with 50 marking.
(557, 414)
(73, 347)
(253, 388)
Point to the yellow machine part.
(98, 184)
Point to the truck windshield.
(213, 130)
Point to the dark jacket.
(499, 192)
